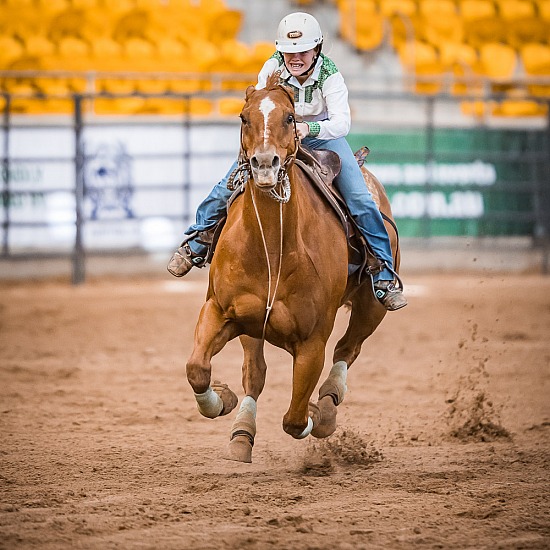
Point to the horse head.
(268, 132)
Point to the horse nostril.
(276, 162)
(254, 162)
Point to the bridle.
(243, 173)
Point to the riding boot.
(389, 295)
(183, 260)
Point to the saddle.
(322, 167)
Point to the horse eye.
(243, 119)
(290, 119)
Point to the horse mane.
(274, 83)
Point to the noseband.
(243, 172)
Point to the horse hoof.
(327, 424)
(229, 399)
(240, 449)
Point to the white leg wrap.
(209, 403)
(308, 429)
(339, 373)
(248, 407)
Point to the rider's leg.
(210, 211)
(366, 214)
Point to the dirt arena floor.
(443, 438)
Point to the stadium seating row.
(364, 22)
(54, 48)
(500, 46)
(73, 40)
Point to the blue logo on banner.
(108, 181)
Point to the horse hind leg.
(366, 315)
(243, 430)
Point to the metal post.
(78, 252)
(187, 161)
(545, 200)
(6, 196)
(429, 161)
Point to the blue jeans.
(351, 185)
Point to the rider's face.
(297, 63)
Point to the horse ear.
(249, 91)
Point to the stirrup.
(391, 297)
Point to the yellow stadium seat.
(72, 46)
(511, 10)
(389, 8)
(262, 51)
(132, 24)
(369, 32)
(225, 25)
(497, 61)
(152, 85)
(461, 60)
(439, 8)
(402, 18)
(170, 48)
(519, 108)
(140, 54)
(107, 55)
(230, 106)
(481, 22)
(189, 85)
(440, 28)
(10, 50)
(118, 106)
(39, 46)
(420, 59)
(522, 22)
(58, 95)
(202, 54)
(353, 14)
(477, 109)
(48, 7)
(536, 61)
(543, 7)
(21, 21)
(70, 22)
(474, 10)
(115, 85)
(74, 55)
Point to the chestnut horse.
(280, 273)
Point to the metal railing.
(529, 173)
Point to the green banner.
(458, 182)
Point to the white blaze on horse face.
(266, 106)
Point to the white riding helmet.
(298, 32)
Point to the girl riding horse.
(323, 115)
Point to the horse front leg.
(308, 365)
(213, 331)
(243, 430)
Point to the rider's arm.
(338, 124)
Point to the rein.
(240, 177)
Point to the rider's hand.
(302, 129)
